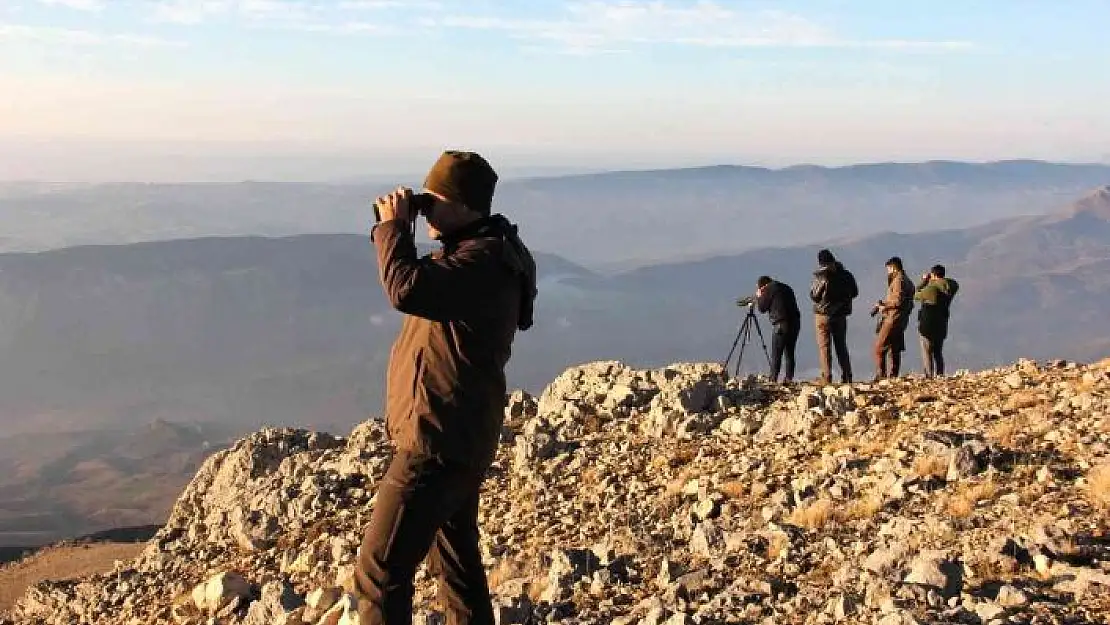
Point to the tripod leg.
(763, 342)
(746, 332)
(733, 348)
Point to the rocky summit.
(674, 496)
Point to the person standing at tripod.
(777, 300)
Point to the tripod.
(742, 338)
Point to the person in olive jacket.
(446, 388)
(935, 294)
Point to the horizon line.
(584, 171)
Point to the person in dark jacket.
(446, 388)
(895, 309)
(777, 300)
(832, 292)
(935, 294)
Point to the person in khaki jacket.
(895, 309)
(446, 388)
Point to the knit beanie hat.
(825, 257)
(463, 177)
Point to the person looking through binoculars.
(445, 393)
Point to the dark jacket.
(779, 303)
(833, 290)
(935, 296)
(446, 389)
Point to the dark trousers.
(932, 352)
(833, 330)
(424, 507)
(783, 341)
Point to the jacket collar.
(491, 226)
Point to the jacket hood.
(827, 270)
(520, 259)
(947, 285)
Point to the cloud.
(185, 12)
(312, 16)
(78, 5)
(306, 16)
(197, 11)
(577, 27)
(345, 28)
(616, 25)
(377, 5)
(76, 37)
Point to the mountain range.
(248, 330)
(611, 220)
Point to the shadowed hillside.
(238, 330)
(61, 485)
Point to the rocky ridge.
(678, 496)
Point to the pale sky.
(106, 88)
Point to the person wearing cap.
(445, 391)
(895, 309)
(832, 292)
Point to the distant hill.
(296, 330)
(58, 485)
(236, 330)
(603, 220)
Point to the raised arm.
(440, 289)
